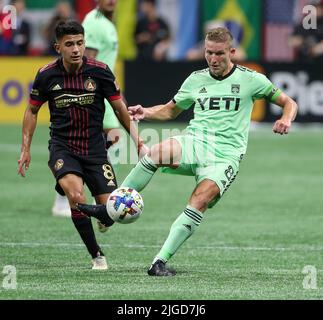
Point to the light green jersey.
(101, 34)
(223, 106)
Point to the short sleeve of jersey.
(184, 98)
(108, 84)
(92, 35)
(264, 88)
(38, 94)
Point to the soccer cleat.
(99, 212)
(99, 263)
(102, 227)
(159, 269)
(61, 207)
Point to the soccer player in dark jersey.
(75, 88)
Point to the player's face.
(71, 47)
(218, 56)
(107, 5)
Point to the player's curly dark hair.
(64, 28)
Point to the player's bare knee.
(199, 201)
(75, 196)
(203, 195)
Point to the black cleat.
(98, 211)
(159, 269)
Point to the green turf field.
(253, 245)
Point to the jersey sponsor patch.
(272, 93)
(59, 164)
(65, 100)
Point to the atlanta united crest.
(89, 84)
(59, 164)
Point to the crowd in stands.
(152, 34)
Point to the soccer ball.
(125, 205)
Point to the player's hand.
(137, 112)
(142, 150)
(282, 126)
(24, 162)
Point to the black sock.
(84, 227)
(98, 211)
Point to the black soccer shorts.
(97, 172)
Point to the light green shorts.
(198, 159)
(110, 120)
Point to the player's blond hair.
(220, 34)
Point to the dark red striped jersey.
(76, 103)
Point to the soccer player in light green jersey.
(101, 38)
(101, 41)
(216, 139)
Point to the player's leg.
(212, 181)
(184, 226)
(68, 171)
(72, 186)
(165, 154)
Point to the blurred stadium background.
(253, 245)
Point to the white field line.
(139, 246)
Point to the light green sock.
(182, 228)
(141, 174)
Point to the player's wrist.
(140, 143)
(286, 119)
(25, 149)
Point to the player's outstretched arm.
(289, 106)
(161, 112)
(28, 129)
